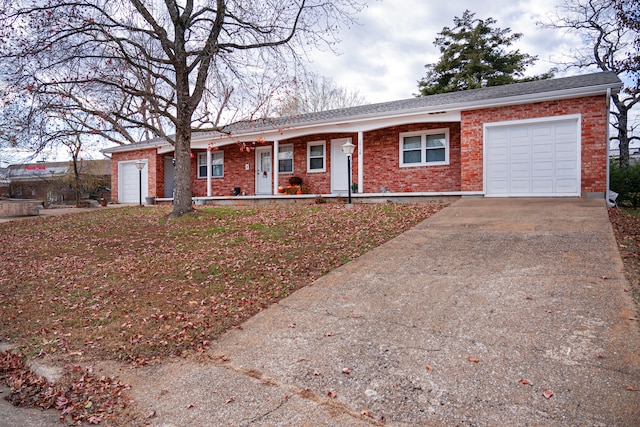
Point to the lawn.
(131, 285)
(626, 227)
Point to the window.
(316, 156)
(217, 164)
(285, 158)
(424, 148)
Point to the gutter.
(607, 189)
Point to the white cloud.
(384, 56)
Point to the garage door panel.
(541, 159)
(519, 186)
(542, 187)
(566, 186)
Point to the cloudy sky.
(384, 56)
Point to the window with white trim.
(316, 156)
(424, 148)
(217, 164)
(285, 158)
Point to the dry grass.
(129, 284)
(626, 227)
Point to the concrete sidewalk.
(466, 320)
(57, 211)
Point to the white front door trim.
(264, 171)
(339, 171)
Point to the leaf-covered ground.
(128, 284)
(626, 227)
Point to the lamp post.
(140, 166)
(348, 149)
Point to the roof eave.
(413, 113)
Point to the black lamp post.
(348, 149)
(140, 166)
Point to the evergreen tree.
(475, 55)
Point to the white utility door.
(264, 175)
(339, 174)
(129, 179)
(533, 159)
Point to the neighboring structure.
(52, 182)
(634, 152)
(541, 138)
(4, 182)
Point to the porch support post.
(276, 172)
(209, 172)
(360, 162)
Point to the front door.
(169, 177)
(263, 171)
(339, 175)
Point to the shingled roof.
(517, 93)
(459, 100)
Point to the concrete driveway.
(468, 319)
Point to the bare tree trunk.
(623, 134)
(182, 202)
(76, 181)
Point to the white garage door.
(129, 182)
(533, 159)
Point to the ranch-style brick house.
(543, 138)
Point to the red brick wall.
(235, 174)
(382, 158)
(594, 128)
(156, 170)
(382, 162)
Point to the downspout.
(209, 172)
(606, 194)
(360, 162)
(276, 169)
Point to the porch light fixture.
(140, 165)
(348, 149)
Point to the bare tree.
(169, 67)
(607, 45)
(315, 93)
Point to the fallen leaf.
(331, 394)
(547, 394)
(525, 382)
(529, 297)
(356, 316)
(429, 368)
(190, 405)
(632, 388)
(473, 359)
(231, 399)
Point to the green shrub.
(625, 183)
